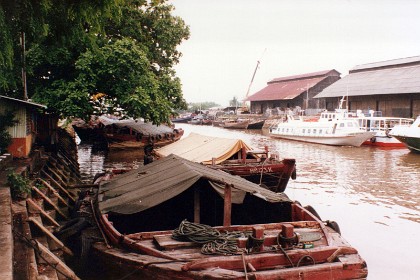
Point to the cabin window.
(314, 131)
(303, 130)
(320, 131)
(341, 124)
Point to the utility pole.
(25, 90)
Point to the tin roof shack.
(392, 87)
(292, 91)
(29, 115)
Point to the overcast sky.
(288, 37)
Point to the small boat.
(128, 134)
(409, 135)
(235, 124)
(235, 157)
(336, 131)
(256, 124)
(176, 219)
(382, 126)
(182, 119)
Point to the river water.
(372, 193)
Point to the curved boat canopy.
(202, 149)
(157, 182)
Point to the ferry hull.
(355, 140)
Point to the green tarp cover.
(150, 185)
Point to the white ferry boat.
(332, 128)
(382, 126)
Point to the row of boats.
(341, 128)
(215, 208)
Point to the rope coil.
(214, 242)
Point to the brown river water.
(372, 193)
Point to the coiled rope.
(214, 242)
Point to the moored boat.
(235, 124)
(327, 131)
(409, 135)
(235, 157)
(238, 230)
(382, 126)
(126, 134)
(256, 124)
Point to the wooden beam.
(46, 198)
(196, 206)
(35, 205)
(227, 211)
(52, 236)
(56, 262)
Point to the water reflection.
(372, 193)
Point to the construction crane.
(244, 107)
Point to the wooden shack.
(392, 88)
(25, 132)
(290, 92)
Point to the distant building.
(391, 87)
(32, 125)
(293, 91)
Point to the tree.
(202, 105)
(99, 56)
(234, 102)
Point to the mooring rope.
(214, 242)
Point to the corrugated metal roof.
(286, 88)
(391, 63)
(152, 184)
(306, 76)
(30, 103)
(398, 80)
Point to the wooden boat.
(182, 119)
(129, 134)
(235, 157)
(256, 124)
(176, 219)
(235, 124)
(409, 135)
(327, 131)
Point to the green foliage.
(202, 105)
(235, 102)
(19, 185)
(6, 120)
(122, 51)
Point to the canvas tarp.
(137, 125)
(152, 184)
(201, 148)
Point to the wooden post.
(243, 154)
(227, 211)
(196, 206)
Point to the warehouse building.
(293, 91)
(392, 88)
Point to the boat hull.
(384, 141)
(412, 143)
(355, 140)
(272, 175)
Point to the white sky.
(289, 37)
